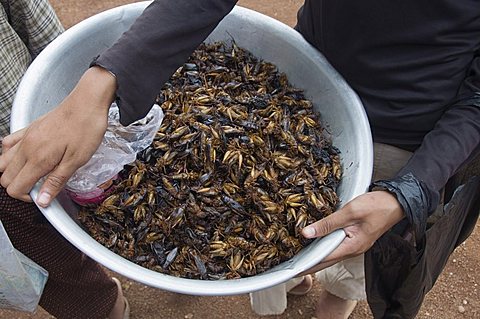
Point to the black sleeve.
(158, 42)
(454, 140)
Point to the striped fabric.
(26, 27)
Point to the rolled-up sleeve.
(158, 42)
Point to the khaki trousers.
(345, 279)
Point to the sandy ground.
(456, 294)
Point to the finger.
(345, 250)
(318, 267)
(24, 198)
(7, 158)
(10, 166)
(325, 226)
(11, 140)
(54, 183)
(23, 182)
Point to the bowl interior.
(57, 69)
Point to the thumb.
(325, 226)
(54, 183)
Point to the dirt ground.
(455, 295)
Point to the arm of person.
(147, 54)
(57, 144)
(452, 142)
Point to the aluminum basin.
(57, 69)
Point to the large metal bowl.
(56, 70)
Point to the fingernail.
(44, 199)
(308, 232)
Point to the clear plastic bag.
(21, 280)
(120, 145)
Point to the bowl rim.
(69, 229)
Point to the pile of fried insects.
(238, 167)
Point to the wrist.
(98, 87)
(409, 193)
(395, 213)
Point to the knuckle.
(352, 205)
(325, 226)
(30, 140)
(45, 164)
(355, 210)
(356, 214)
(13, 193)
(4, 181)
(7, 141)
(56, 181)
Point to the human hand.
(364, 220)
(61, 141)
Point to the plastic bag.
(21, 280)
(398, 274)
(91, 183)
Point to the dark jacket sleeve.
(454, 140)
(158, 42)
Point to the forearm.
(159, 41)
(446, 148)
